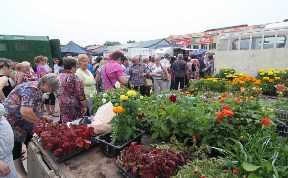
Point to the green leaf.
(267, 165)
(155, 135)
(253, 175)
(173, 119)
(249, 167)
(164, 128)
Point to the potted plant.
(124, 129)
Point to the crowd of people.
(26, 89)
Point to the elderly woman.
(87, 79)
(7, 168)
(24, 107)
(5, 83)
(72, 100)
(138, 73)
(160, 75)
(113, 72)
(26, 75)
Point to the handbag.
(164, 76)
(148, 82)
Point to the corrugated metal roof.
(142, 44)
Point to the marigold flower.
(266, 121)
(131, 93)
(226, 107)
(222, 100)
(227, 113)
(123, 97)
(118, 109)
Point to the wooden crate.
(36, 165)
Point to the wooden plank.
(36, 166)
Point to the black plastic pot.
(113, 150)
(125, 173)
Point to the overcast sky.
(96, 21)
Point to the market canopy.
(73, 49)
(198, 51)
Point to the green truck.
(24, 48)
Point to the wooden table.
(89, 164)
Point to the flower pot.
(112, 150)
(125, 172)
(282, 116)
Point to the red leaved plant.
(150, 164)
(61, 139)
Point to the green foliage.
(111, 43)
(208, 167)
(262, 154)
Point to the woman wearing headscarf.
(72, 100)
(24, 107)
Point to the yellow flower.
(261, 73)
(241, 74)
(214, 80)
(266, 78)
(118, 109)
(123, 97)
(242, 82)
(277, 78)
(141, 97)
(270, 73)
(131, 93)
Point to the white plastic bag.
(102, 117)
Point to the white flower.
(95, 92)
(91, 95)
(117, 84)
(104, 100)
(105, 95)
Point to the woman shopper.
(99, 78)
(113, 72)
(179, 67)
(188, 70)
(138, 73)
(160, 75)
(7, 168)
(49, 102)
(5, 82)
(26, 75)
(72, 100)
(87, 79)
(24, 107)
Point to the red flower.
(140, 116)
(266, 121)
(164, 109)
(235, 171)
(173, 98)
(279, 87)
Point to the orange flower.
(235, 99)
(219, 117)
(226, 107)
(118, 109)
(222, 100)
(227, 113)
(266, 121)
